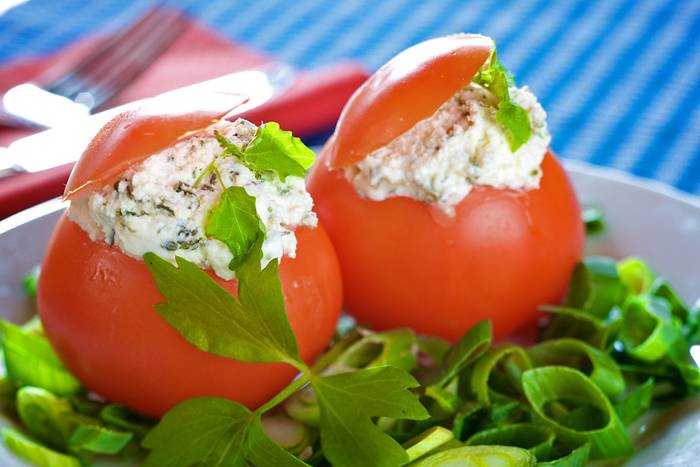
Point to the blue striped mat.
(620, 79)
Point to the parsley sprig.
(512, 117)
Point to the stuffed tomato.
(150, 182)
(442, 198)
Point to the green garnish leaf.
(33, 452)
(511, 116)
(235, 222)
(31, 361)
(273, 150)
(516, 123)
(349, 400)
(213, 432)
(253, 328)
(99, 440)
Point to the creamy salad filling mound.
(460, 146)
(161, 205)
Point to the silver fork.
(96, 78)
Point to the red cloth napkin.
(312, 105)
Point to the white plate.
(645, 219)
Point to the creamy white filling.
(156, 207)
(460, 146)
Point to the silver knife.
(64, 144)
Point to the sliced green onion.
(394, 348)
(662, 289)
(538, 439)
(35, 453)
(465, 420)
(648, 331)
(470, 347)
(577, 324)
(440, 402)
(45, 415)
(576, 409)
(290, 434)
(595, 286)
(30, 282)
(434, 347)
(7, 387)
(99, 440)
(33, 326)
(636, 402)
(598, 366)
(562, 456)
(31, 361)
(479, 456)
(497, 375)
(426, 442)
(636, 275)
(124, 419)
(594, 219)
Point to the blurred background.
(620, 79)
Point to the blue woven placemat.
(620, 79)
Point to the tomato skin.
(136, 134)
(405, 90)
(96, 305)
(407, 264)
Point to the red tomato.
(404, 262)
(97, 304)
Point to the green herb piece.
(636, 275)
(30, 282)
(253, 328)
(538, 439)
(649, 331)
(348, 401)
(31, 361)
(124, 419)
(235, 222)
(598, 366)
(213, 432)
(594, 219)
(468, 349)
(35, 453)
(577, 324)
(636, 402)
(595, 287)
(497, 375)
(426, 442)
(273, 150)
(576, 409)
(45, 416)
(98, 440)
(513, 118)
(564, 456)
(478, 456)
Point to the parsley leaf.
(235, 222)
(348, 400)
(252, 329)
(513, 118)
(213, 432)
(272, 150)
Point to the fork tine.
(65, 84)
(148, 51)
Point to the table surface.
(620, 79)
